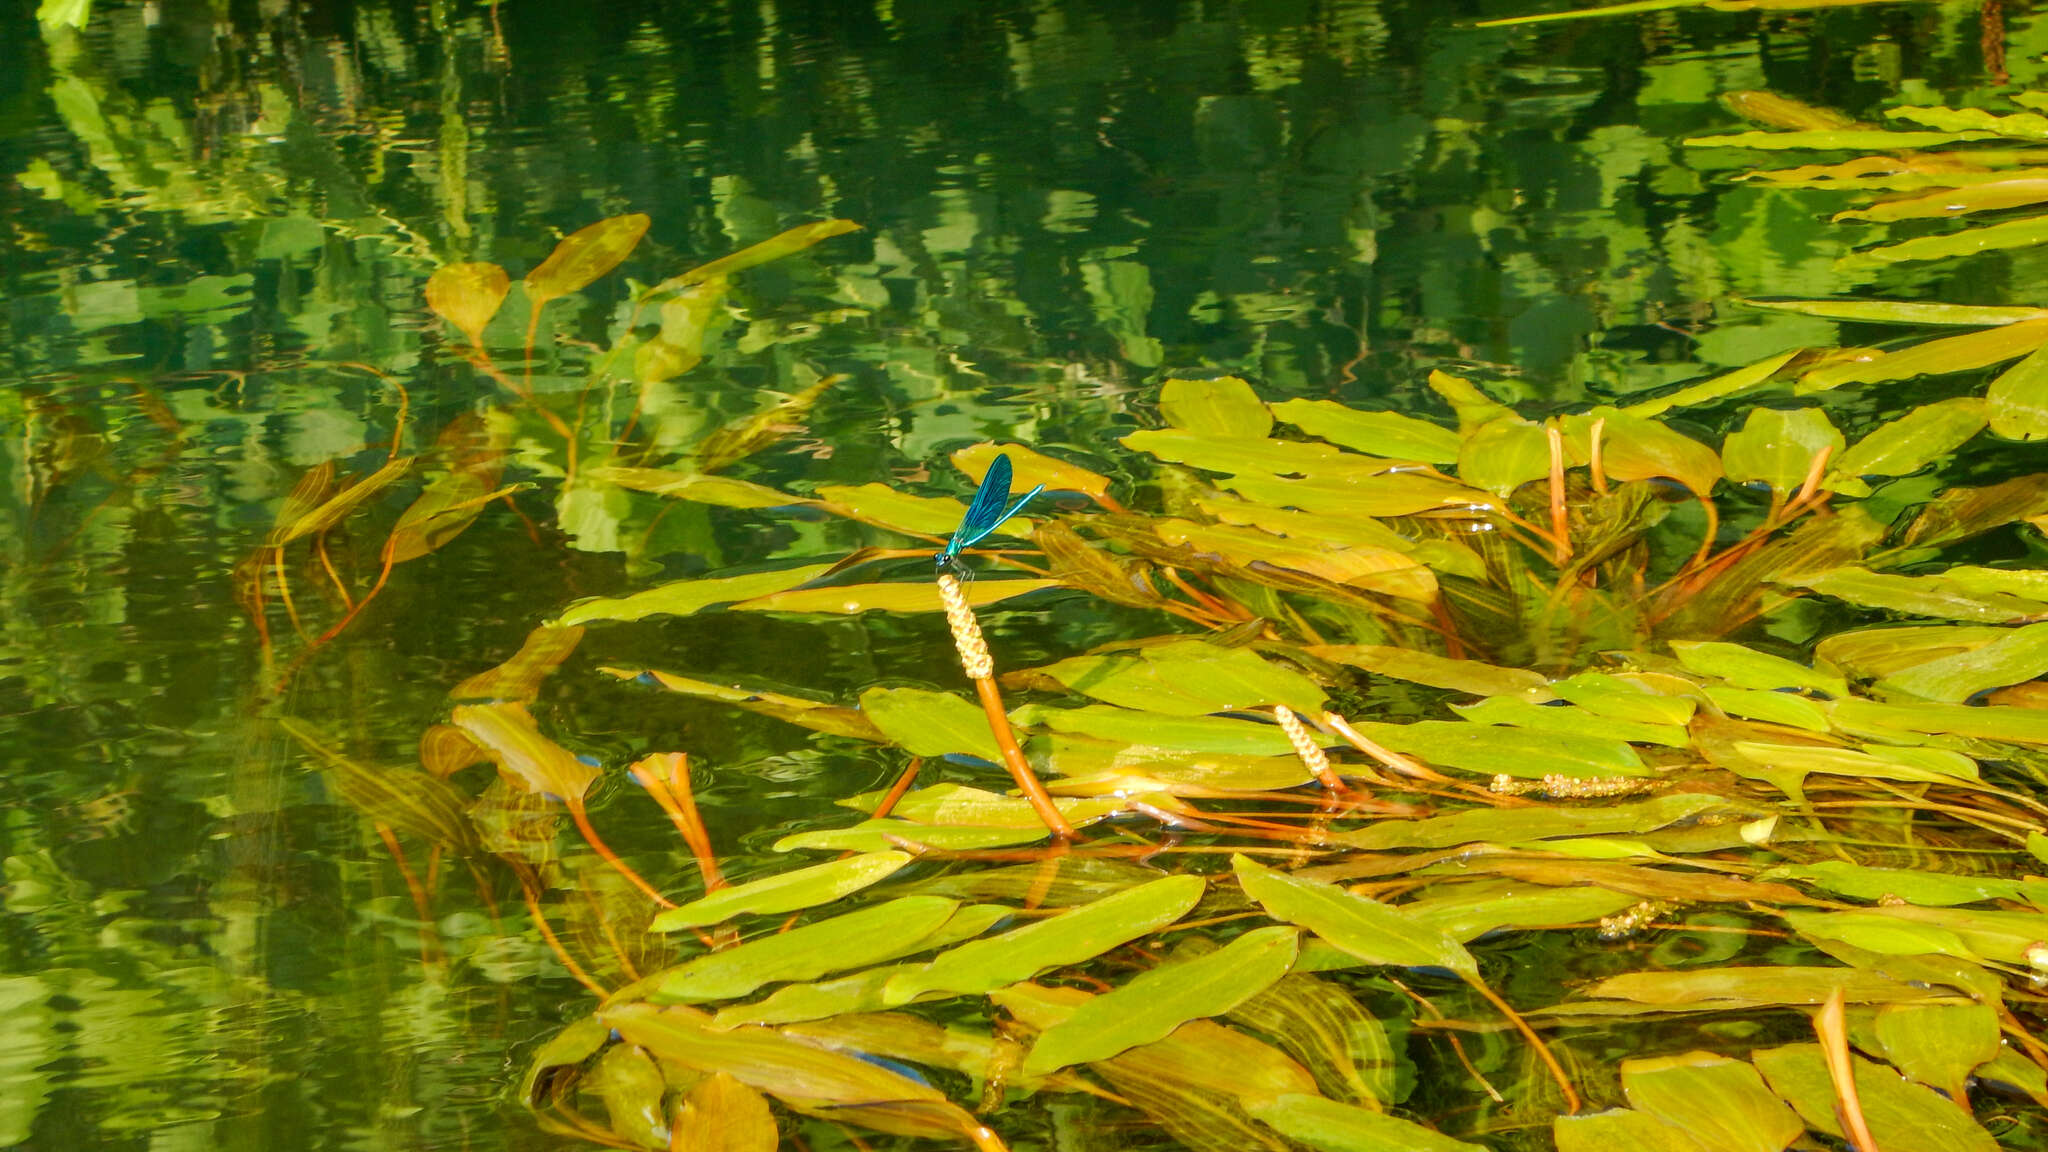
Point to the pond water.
(220, 222)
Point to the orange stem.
(604, 851)
(1013, 759)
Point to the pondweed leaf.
(1188, 678)
(1502, 455)
(1773, 707)
(1939, 1045)
(468, 295)
(1151, 729)
(683, 597)
(1465, 912)
(1904, 446)
(1571, 721)
(2013, 725)
(1387, 434)
(1244, 456)
(1225, 407)
(720, 1114)
(2021, 654)
(631, 1086)
(809, 1079)
(1921, 596)
(583, 256)
(1637, 698)
(1161, 999)
(1991, 238)
(334, 509)
(1844, 140)
(1517, 825)
(1374, 932)
(881, 835)
(2017, 402)
(1961, 513)
(1385, 494)
(785, 892)
(519, 677)
(721, 491)
(818, 717)
(537, 763)
(1070, 937)
(1324, 1026)
(1031, 469)
(785, 243)
(738, 439)
(1496, 751)
(926, 723)
(1746, 667)
(957, 805)
(1778, 447)
(1928, 889)
(1721, 989)
(1616, 1129)
(1903, 311)
(1469, 676)
(1963, 353)
(853, 940)
(1720, 1102)
(1475, 408)
(1337, 1127)
(1634, 447)
(1903, 1117)
(901, 596)
(1719, 387)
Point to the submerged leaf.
(918, 596)
(1903, 1117)
(537, 763)
(785, 892)
(1939, 1045)
(1324, 1026)
(1522, 825)
(1904, 446)
(1225, 407)
(818, 717)
(1335, 1127)
(519, 678)
(1936, 357)
(1722, 1103)
(1030, 469)
(467, 295)
(683, 597)
(584, 255)
(2017, 401)
(1374, 932)
(721, 1114)
(1071, 937)
(927, 723)
(1387, 434)
(2021, 654)
(1162, 999)
(853, 940)
(1778, 447)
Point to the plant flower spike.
(990, 507)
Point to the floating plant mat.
(1266, 933)
(1453, 752)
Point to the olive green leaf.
(1161, 999)
(1337, 1127)
(1374, 932)
(785, 892)
(1070, 937)
(1903, 1117)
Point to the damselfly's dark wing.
(991, 500)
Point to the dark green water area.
(1533, 636)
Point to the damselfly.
(990, 508)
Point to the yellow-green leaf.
(909, 596)
(1225, 408)
(1722, 1103)
(1161, 999)
(1388, 434)
(1374, 932)
(785, 892)
(683, 597)
(720, 1114)
(1972, 350)
(1070, 937)
(2018, 400)
(584, 255)
(467, 295)
(1778, 447)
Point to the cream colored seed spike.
(1305, 746)
(974, 657)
